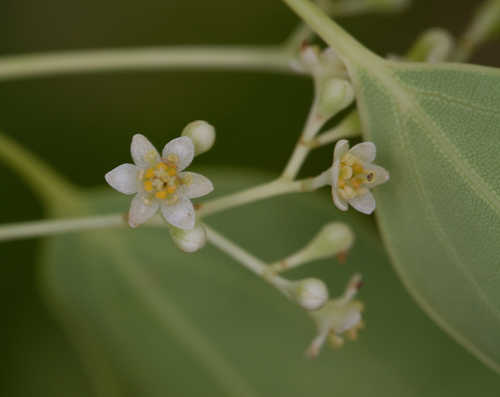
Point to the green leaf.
(152, 321)
(437, 130)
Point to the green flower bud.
(310, 293)
(189, 240)
(202, 134)
(334, 96)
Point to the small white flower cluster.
(160, 182)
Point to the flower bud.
(434, 45)
(333, 239)
(202, 134)
(310, 293)
(334, 96)
(189, 240)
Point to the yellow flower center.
(162, 180)
(353, 177)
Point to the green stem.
(269, 59)
(51, 187)
(21, 230)
(51, 227)
(484, 25)
(349, 127)
(301, 150)
(301, 34)
(266, 190)
(344, 44)
(248, 260)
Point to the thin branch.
(268, 59)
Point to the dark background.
(82, 124)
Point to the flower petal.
(183, 148)
(199, 185)
(339, 202)
(141, 210)
(364, 203)
(381, 175)
(341, 148)
(123, 178)
(365, 151)
(180, 214)
(335, 173)
(143, 152)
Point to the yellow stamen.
(161, 194)
(172, 158)
(356, 183)
(148, 186)
(172, 171)
(349, 159)
(149, 173)
(171, 189)
(151, 156)
(357, 168)
(346, 172)
(341, 183)
(161, 166)
(335, 341)
(347, 193)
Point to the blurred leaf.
(436, 129)
(157, 322)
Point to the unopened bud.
(310, 293)
(189, 240)
(434, 45)
(334, 96)
(202, 134)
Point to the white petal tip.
(123, 178)
(364, 204)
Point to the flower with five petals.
(160, 182)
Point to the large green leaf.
(152, 321)
(437, 129)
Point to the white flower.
(159, 183)
(354, 174)
(336, 317)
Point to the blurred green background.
(82, 125)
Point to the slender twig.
(266, 190)
(21, 230)
(248, 260)
(270, 59)
(278, 187)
